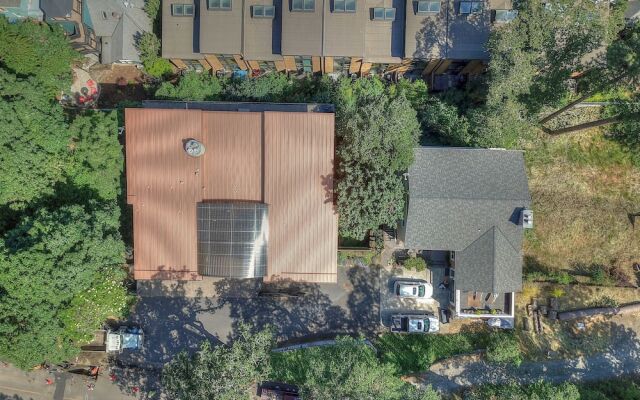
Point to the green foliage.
(192, 86)
(616, 389)
(152, 8)
(416, 353)
(28, 48)
(221, 372)
(444, 121)
(415, 263)
(149, 46)
(377, 130)
(34, 138)
(158, 67)
(268, 88)
(504, 348)
(96, 154)
(537, 391)
(348, 370)
(604, 301)
(48, 263)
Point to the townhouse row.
(358, 37)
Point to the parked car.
(422, 323)
(415, 289)
(124, 338)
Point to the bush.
(191, 87)
(149, 47)
(416, 353)
(504, 348)
(600, 276)
(415, 263)
(604, 301)
(158, 67)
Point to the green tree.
(347, 370)
(48, 263)
(504, 348)
(96, 154)
(220, 372)
(377, 131)
(28, 48)
(538, 391)
(35, 140)
(193, 87)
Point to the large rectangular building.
(331, 36)
(238, 192)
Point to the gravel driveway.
(622, 358)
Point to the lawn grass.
(416, 353)
(583, 188)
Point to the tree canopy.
(50, 263)
(29, 48)
(220, 372)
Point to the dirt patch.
(583, 189)
(580, 337)
(119, 83)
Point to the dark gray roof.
(458, 196)
(490, 264)
(56, 8)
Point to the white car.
(414, 289)
(423, 323)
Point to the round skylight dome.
(194, 148)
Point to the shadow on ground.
(179, 316)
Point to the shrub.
(148, 45)
(604, 301)
(158, 67)
(504, 348)
(557, 292)
(563, 278)
(416, 263)
(600, 276)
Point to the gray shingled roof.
(56, 8)
(458, 196)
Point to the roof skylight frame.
(303, 5)
(384, 14)
(263, 11)
(344, 6)
(428, 7)
(182, 10)
(219, 5)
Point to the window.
(430, 6)
(219, 4)
(470, 7)
(303, 5)
(344, 6)
(182, 10)
(263, 11)
(505, 15)
(387, 14)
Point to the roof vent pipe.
(194, 148)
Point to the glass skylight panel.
(188, 9)
(350, 5)
(378, 13)
(302, 5)
(309, 5)
(425, 7)
(263, 11)
(506, 15)
(476, 7)
(465, 7)
(177, 9)
(219, 4)
(390, 14)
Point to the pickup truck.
(422, 323)
(115, 341)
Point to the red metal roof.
(283, 159)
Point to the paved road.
(16, 384)
(461, 372)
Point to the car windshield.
(421, 290)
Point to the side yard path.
(457, 373)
